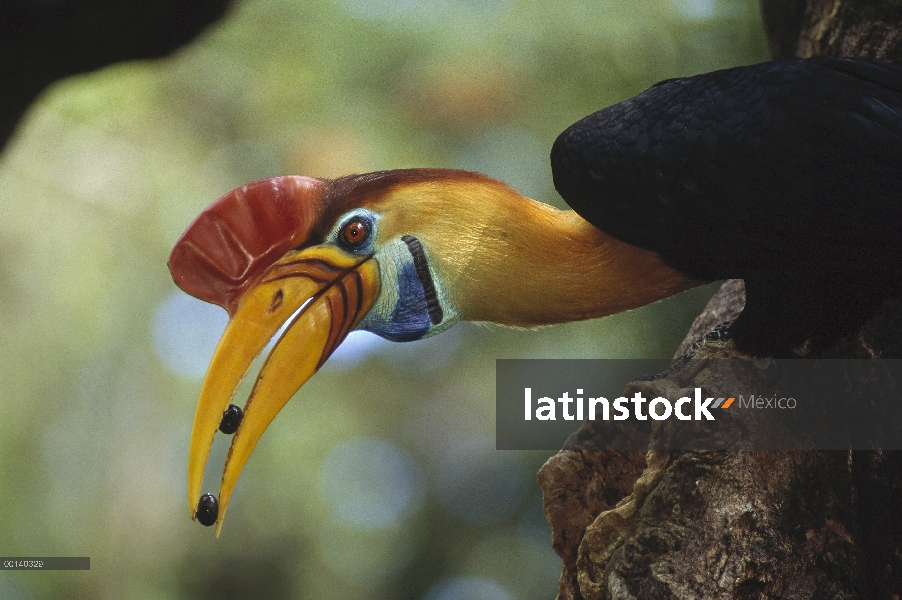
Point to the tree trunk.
(801, 524)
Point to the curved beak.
(314, 297)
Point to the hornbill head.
(300, 262)
(405, 254)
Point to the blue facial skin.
(410, 319)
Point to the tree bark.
(806, 28)
(801, 524)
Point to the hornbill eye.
(354, 233)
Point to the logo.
(659, 409)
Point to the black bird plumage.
(787, 174)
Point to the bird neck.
(550, 266)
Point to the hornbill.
(787, 174)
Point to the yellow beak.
(319, 295)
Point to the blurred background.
(380, 479)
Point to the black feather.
(787, 174)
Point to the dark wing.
(791, 165)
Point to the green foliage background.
(107, 170)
